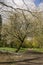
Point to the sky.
(37, 2)
(32, 4)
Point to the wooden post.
(0, 26)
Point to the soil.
(26, 58)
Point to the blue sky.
(37, 2)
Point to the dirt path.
(26, 58)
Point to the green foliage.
(15, 43)
(35, 43)
(40, 40)
(1, 44)
(27, 43)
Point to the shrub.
(27, 43)
(35, 43)
(1, 43)
(40, 40)
(15, 43)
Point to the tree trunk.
(0, 26)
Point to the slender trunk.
(19, 47)
(21, 43)
(0, 26)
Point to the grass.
(33, 49)
(22, 49)
(38, 49)
(7, 49)
(12, 49)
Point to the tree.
(21, 25)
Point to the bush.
(27, 43)
(15, 43)
(35, 43)
(1, 43)
(40, 40)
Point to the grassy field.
(22, 49)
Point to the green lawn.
(33, 49)
(38, 49)
(12, 49)
(22, 49)
(7, 49)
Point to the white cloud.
(20, 4)
(29, 3)
(41, 7)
